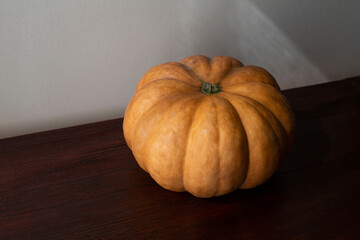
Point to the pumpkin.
(208, 126)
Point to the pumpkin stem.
(210, 88)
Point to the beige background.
(64, 63)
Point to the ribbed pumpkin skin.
(208, 144)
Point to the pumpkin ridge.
(228, 72)
(161, 121)
(240, 126)
(282, 101)
(248, 100)
(149, 111)
(132, 133)
(265, 85)
(220, 172)
(215, 69)
(244, 74)
(246, 137)
(248, 82)
(251, 102)
(195, 169)
(192, 72)
(279, 150)
(139, 92)
(187, 139)
(158, 79)
(210, 63)
(178, 71)
(218, 150)
(197, 61)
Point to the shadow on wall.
(326, 31)
(243, 29)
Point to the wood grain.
(83, 183)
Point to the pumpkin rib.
(150, 108)
(268, 86)
(133, 103)
(236, 84)
(221, 163)
(269, 93)
(150, 111)
(241, 75)
(159, 79)
(247, 140)
(248, 100)
(252, 101)
(198, 64)
(187, 138)
(168, 70)
(220, 66)
(207, 73)
(157, 142)
(282, 144)
(259, 179)
(189, 185)
(228, 72)
(218, 148)
(201, 166)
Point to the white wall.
(70, 62)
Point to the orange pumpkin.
(208, 126)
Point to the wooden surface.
(83, 183)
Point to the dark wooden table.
(83, 183)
